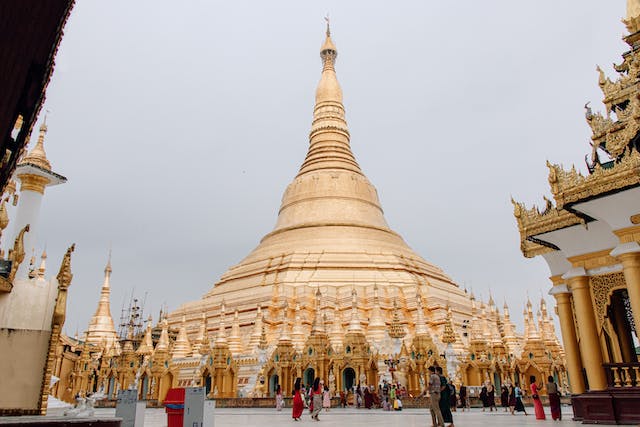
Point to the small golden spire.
(163, 342)
(448, 336)
(146, 348)
(182, 347)
(395, 328)
(37, 156)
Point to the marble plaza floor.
(260, 417)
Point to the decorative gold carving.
(571, 186)
(601, 289)
(16, 255)
(30, 182)
(532, 222)
(448, 336)
(57, 322)
(635, 219)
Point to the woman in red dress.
(537, 403)
(298, 404)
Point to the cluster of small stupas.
(332, 292)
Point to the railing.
(622, 375)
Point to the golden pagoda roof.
(101, 326)
(37, 155)
(330, 223)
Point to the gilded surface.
(601, 289)
(534, 221)
(571, 186)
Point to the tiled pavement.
(247, 417)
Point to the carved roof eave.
(532, 223)
(570, 187)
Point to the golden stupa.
(330, 234)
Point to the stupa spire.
(163, 342)
(222, 335)
(182, 347)
(37, 155)
(329, 138)
(101, 325)
(235, 340)
(421, 324)
(355, 324)
(318, 322)
(146, 347)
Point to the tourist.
(368, 398)
(445, 398)
(316, 398)
(519, 405)
(483, 397)
(464, 399)
(491, 396)
(434, 398)
(358, 396)
(453, 401)
(343, 398)
(375, 397)
(554, 399)
(537, 403)
(326, 399)
(504, 397)
(512, 398)
(279, 398)
(298, 404)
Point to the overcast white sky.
(179, 125)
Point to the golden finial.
(37, 155)
(448, 336)
(326, 18)
(395, 329)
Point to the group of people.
(511, 398)
(440, 392)
(316, 398)
(388, 396)
(442, 398)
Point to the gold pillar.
(589, 342)
(570, 342)
(631, 268)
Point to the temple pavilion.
(589, 236)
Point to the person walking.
(445, 398)
(504, 397)
(453, 400)
(554, 399)
(537, 403)
(491, 396)
(326, 399)
(298, 404)
(316, 398)
(279, 398)
(434, 398)
(519, 405)
(483, 397)
(512, 398)
(464, 399)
